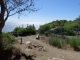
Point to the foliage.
(25, 31)
(7, 40)
(69, 32)
(57, 30)
(56, 42)
(57, 23)
(77, 20)
(75, 43)
(61, 27)
(46, 33)
(44, 28)
(70, 25)
(59, 42)
(12, 7)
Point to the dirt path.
(51, 53)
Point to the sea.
(10, 26)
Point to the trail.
(52, 53)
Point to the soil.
(43, 51)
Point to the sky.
(49, 10)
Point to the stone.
(28, 49)
(28, 42)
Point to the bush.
(59, 42)
(58, 30)
(69, 32)
(44, 28)
(30, 30)
(56, 42)
(7, 41)
(46, 33)
(75, 43)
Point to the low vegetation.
(7, 41)
(61, 27)
(56, 41)
(10, 52)
(6, 46)
(60, 42)
(29, 30)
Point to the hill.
(61, 27)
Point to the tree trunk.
(2, 23)
(0, 33)
(0, 38)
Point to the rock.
(35, 46)
(44, 49)
(28, 42)
(28, 49)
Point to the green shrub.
(69, 32)
(30, 30)
(56, 42)
(57, 30)
(44, 28)
(46, 33)
(75, 43)
(7, 41)
(59, 42)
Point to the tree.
(11, 7)
(78, 21)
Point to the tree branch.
(24, 9)
(12, 7)
(7, 12)
(7, 15)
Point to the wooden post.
(17, 34)
(21, 40)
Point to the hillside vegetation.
(61, 27)
(61, 33)
(29, 30)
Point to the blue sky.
(50, 10)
